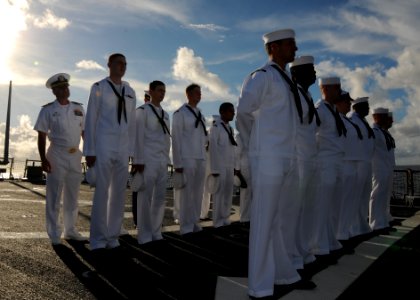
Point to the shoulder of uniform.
(96, 83)
(140, 107)
(258, 70)
(77, 103)
(48, 104)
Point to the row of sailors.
(315, 169)
(307, 170)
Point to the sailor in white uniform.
(151, 157)
(364, 154)
(347, 211)
(268, 112)
(189, 139)
(303, 72)
(222, 163)
(62, 121)
(108, 145)
(330, 143)
(207, 197)
(383, 167)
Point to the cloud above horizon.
(190, 68)
(89, 65)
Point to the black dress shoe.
(283, 289)
(263, 298)
(303, 284)
(327, 259)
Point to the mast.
(6, 135)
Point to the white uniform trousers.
(175, 212)
(269, 263)
(307, 215)
(245, 195)
(108, 200)
(222, 199)
(382, 181)
(63, 182)
(347, 211)
(151, 202)
(361, 196)
(328, 200)
(191, 195)
(205, 204)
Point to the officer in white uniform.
(346, 213)
(63, 122)
(222, 163)
(109, 142)
(330, 143)
(383, 167)
(267, 116)
(151, 157)
(189, 139)
(364, 155)
(303, 72)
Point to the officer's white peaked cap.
(57, 80)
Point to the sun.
(12, 22)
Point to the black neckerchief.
(293, 88)
(230, 134)
(121, 102)
(390, 142)
(341, 129)
(161, 120)
(198, 119)
(359, 132)
(312, 111)
(369, 129)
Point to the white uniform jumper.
(267, 120)
(330, 144)
(307, 164)
(222, 161)
(347, 212)
(361, 195)
(152, 151)
(189, 139)
(112, 142)
(383, 171)
(64, 125)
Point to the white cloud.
(207, 27)
(49, 20)
(190, 68)
(23, 139)
(249, 57)
(89, 65)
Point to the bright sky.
(372, 45)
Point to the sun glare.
(12, 21)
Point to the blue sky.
(372, 45)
